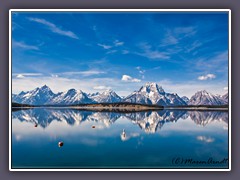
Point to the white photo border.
(119, 10)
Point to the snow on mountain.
(37, 96)
(185, 98)
(44, 95)
(152, 93)
(107, 96)
(205, 98)
(225, 98)
(72, 96)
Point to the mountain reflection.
(149, 121)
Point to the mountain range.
(150, 93)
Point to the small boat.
(93, 127)
(35, 125)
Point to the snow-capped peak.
(108, 96)
(71, 96)
(108, 91)
(152, 93)
(38, 96)
(205, 98)
(151, 87)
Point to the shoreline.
(124, 109)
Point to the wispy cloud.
(128, 78)
(83, 73)
(191, 47)
(54, 28)
(112, 51)
(104, 46)
(23, 75)
(112, 45)
(16, 26)
(156, 55)
(206, 77)
(218, 62)
(24, 46)
(29, 74)
(169, 39)
(153, 54)
(176, 35)
(101, 87)
(188, 30)
(118, 43)
(141, 71)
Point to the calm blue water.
(154, 139)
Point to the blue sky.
(182, 51)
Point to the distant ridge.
(151, 94)
(205, 98)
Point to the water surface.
(153, 139)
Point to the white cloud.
(24, 46)
(118, 43)
(28, 74)
(20, 76)
(205, 139)
(104, 46)
(206, 77)
(83, 73)
(54, 28)
(101, 87)
(225, 88)
(130, 79)
(23, 75)
(54, 75)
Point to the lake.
(153, 139)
